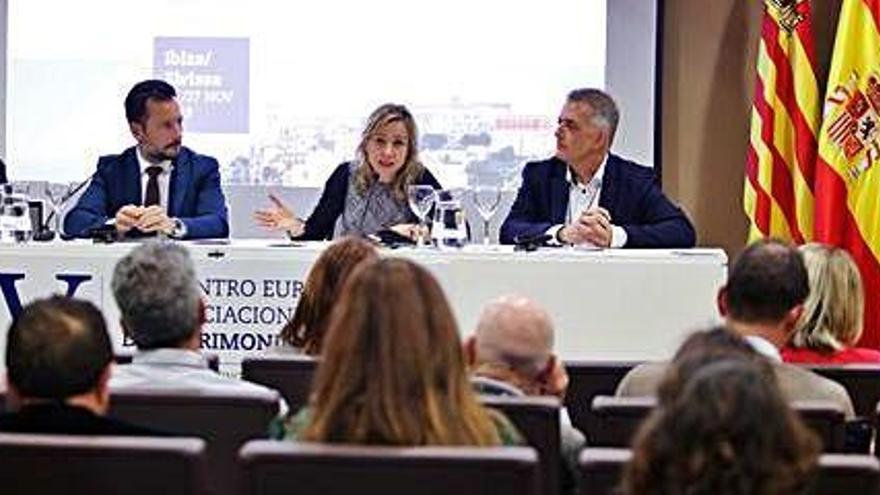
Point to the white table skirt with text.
(606, 304)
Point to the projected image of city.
(464, 144)
(279, 91)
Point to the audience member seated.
(761, 301)
(305, 332)
(700, 349)
(392, 371)
(511, 353)
(162, 311)
(831, 323)
(58, 362)
(727, 431)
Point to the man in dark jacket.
(586, 195)
(58, 363)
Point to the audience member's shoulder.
(643, 380)
(117, 427)
(799, 383)
(290, 426)
(252, 388)
(507, 432)
(861, 355)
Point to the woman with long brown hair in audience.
(728, 431)
(392, 370)
(305, 331)
(831, 323)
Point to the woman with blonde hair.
(831, 323)
(305, 331)
(368, 195)
(393, 371)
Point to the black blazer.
(56, 418)
(629, 192)
(3, 179)
(320, 223)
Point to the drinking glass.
(487, 199)
(421, 199)
(449, 230)
(15, 220)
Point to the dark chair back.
(289, 375)
(325, 469)
(862, 381)
(226, 422)
(588, 379)
(537, 418)
(54, 464)
(826, 419)
(846, 473)
(601, 470)
(619, 418)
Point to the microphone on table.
(43, 233)
(531, 242)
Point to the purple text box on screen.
(211, 76)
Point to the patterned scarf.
(374, 210)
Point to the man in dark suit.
(3, 179)
(158, 186)
(588, 196)
(58, 362)
(761, 302)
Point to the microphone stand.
(44, 233)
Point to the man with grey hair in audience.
(162, 310)
(511, 354)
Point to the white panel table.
(606, 304)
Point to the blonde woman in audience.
(831, 322)
(305, 331)
(392, 370)
(728, 431)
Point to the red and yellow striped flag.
(778, 197)
(847, 176)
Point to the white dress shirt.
(164, 178)
(764, 347)
(582, 197)
(181, 371)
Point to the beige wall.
(708, 72)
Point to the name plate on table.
(610, 304)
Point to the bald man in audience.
(511, 354)
(58, 363)
(163, 310)
(761, 301)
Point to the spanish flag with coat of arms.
(847, 180)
